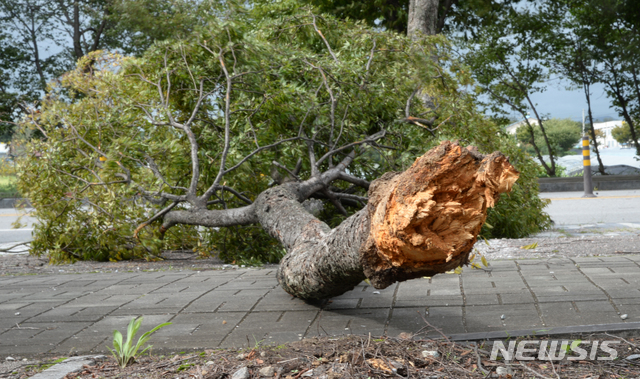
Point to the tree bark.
(421, 222)
(423, 18)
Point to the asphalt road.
(609, 207)
(566, 208)
(8, 234)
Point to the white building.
(606, 128)
(511, 129)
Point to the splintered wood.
(426, 220)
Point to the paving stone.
(627, 300)
(522, 296)
(66, 314)
(83, 310)
(571, 296)
(407, 320)
(517, 316)
(82, 343)
(350, 321)
(447, 319)
(202, 326)
(209, 302)
(480, 299)
(383, 300)
(342, 304)
(259, 326)
(631, 310)
(278, 300)
(483, 318)
(594, 306)
(558, 313)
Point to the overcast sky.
(559, 102)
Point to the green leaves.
(288, 91)
(563, 135)
(126, 352)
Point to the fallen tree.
(421, 222)
(247, 126)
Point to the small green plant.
(126, 352)
(185, 366)
(50, 364)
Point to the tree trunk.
(421, 222)
(423, 18)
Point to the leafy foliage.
(518, 213)
(47, 38)
(610, 31)
(250, 88)
(453, 15)
(563, 135)
(125, 352)
(507, 59)
(622, 133)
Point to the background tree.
(137, 150)
(573, 60)
(44, 39)
(446, 15)
(622, 134)
(563, 135)
(9, 98)
(611, 31)
(505, 59)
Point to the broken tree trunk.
(421, 222)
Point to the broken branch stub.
(426, 220)
(421, 222)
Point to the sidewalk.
(61, 314)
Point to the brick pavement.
(64, 313)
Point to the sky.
(559, 102)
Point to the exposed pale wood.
(426, 220)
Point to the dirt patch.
(15, 264)
(358, 357)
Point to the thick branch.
(421, 222)
(211, 218)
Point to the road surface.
(8, 234)
(566, 208)
(609, 207)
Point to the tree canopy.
(138, 153)
(563, 135)
(622, 133)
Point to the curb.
(557, 331)
(603, 183)
(69, 365)
(11, 202)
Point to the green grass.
(8, 186)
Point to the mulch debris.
(358, 357)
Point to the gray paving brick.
(342, 304)
(278, 300)
(483, 318)
(407, 320)
(571, 296)
(523, 296)
(226, 307)
(350, 321)
(479, 299)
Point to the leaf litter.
(354, 356)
